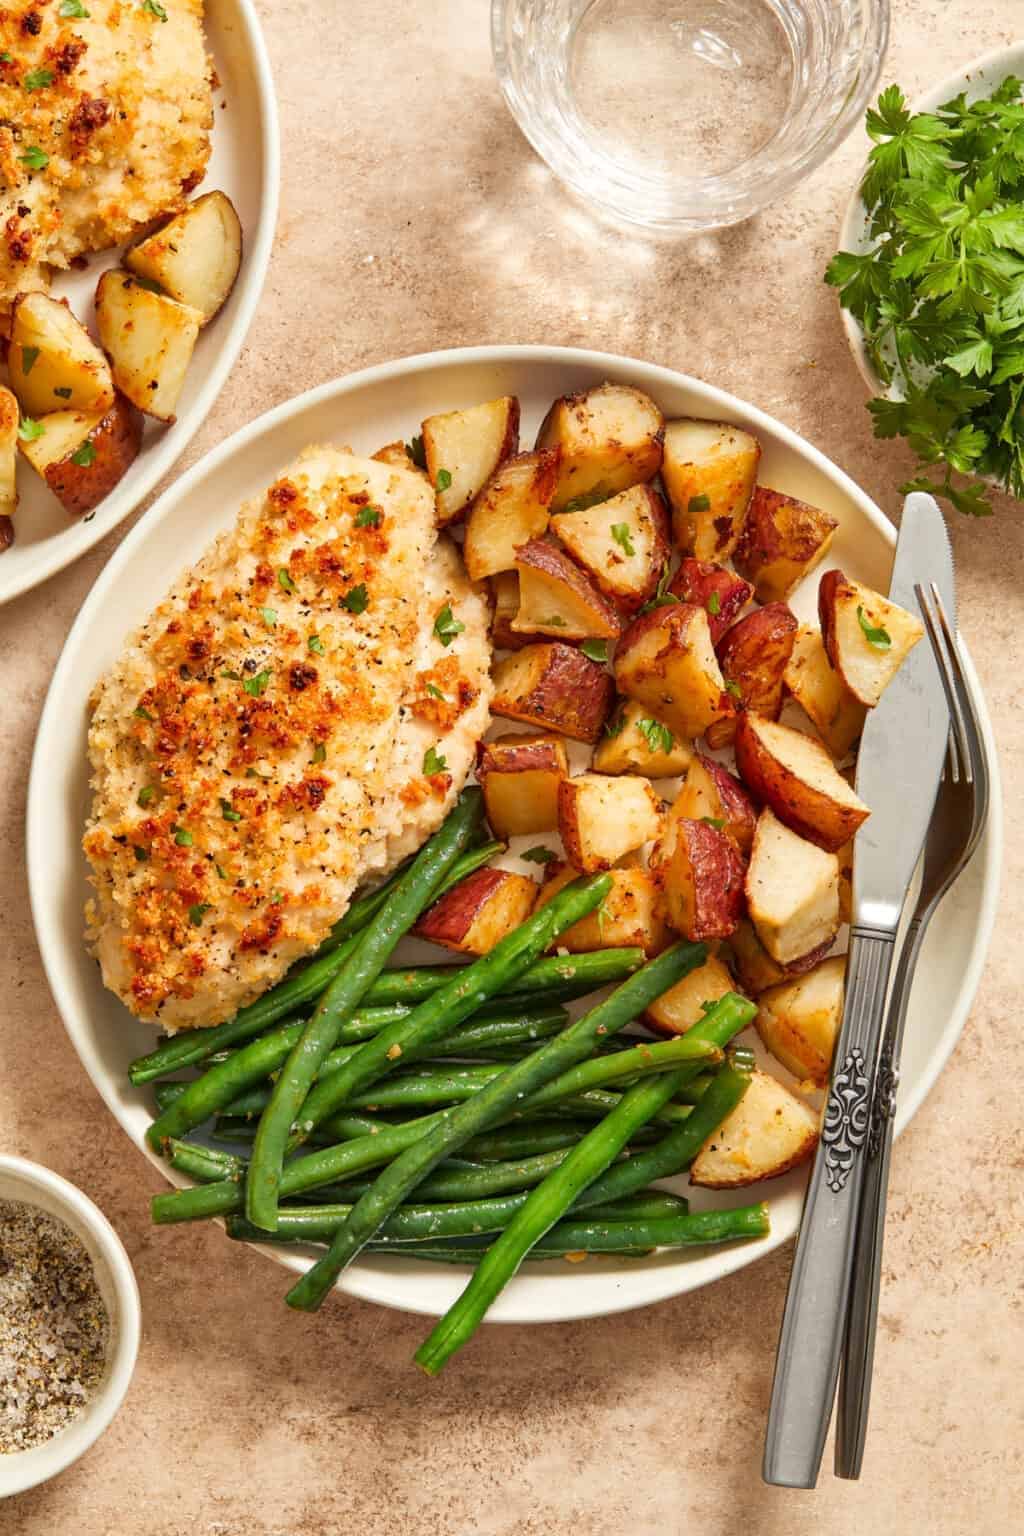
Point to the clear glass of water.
(686, 114)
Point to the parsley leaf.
(662, 597)
(446, 626)
(30, 431)
(368, 517)
(73, 8)
(591, 498)
(284, 580)
(879, 638)
(316, 645)
(29, 358)
(434, 762)
(713, 821)
(141, 854)
(269, 617)
(85, 455)
(714, 605)
(35, 158)
(434, 691)
(443, 481)
(142, 714)
(36, 79)
(256, 685)
(699, 503)
(596, 650)
(658, 737)
(198, 912)
(414, 448)
(620, 533)
(228, 811)
(182, 837)
(538, 855)
(357, 599)
(319, 753)
(146, 794)
(154, 9)
(733, 688)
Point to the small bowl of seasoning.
(69, 1324)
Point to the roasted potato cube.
(753, 656)
(682, 1006)
(555, 687)
(149, 339)
(629, 916)
(700, 873)
(505, 596)
(511, 509)
(709, 472)
(520, 776)
(796, 777)
(622, 542)
(769, 1132)
(720, 592)
(712, 794)
(195, 256)
(9, 416)
(601, 819)
(464, 448)
(53, 362)
(783, 538)
(480, 910)
(756, 970)
(799, 1020)
(866, 637)
(555, 597)
(634, 742)
(666, 661)
(610, 439)
(821, 693)
(792, 891)
(82, 456)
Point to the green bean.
(405, 903)
(566, 976)
(513, 1090)
(460, 1183)
(524, 1139)
(204, 1164)
(454, 1002)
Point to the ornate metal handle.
(807, 1364)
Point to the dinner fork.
(957, 824)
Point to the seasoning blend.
(54, 1327)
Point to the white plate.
(244, 163)
(979, 78)
(366, 410)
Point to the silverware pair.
(831, 1309)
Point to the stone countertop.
(414, 216)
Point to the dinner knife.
(898, 769)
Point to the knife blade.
(899, 765)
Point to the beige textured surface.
(414, 216)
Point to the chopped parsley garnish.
(316, 645)
(234, 677)
(616, 725)
(595, 650)
(434, 691)
(662, 598)
(141, 854)
(269, 617)
(29, 358)
(434, 762)
(588, 499)
(443, 481)
(142, 714)
(417, 452)
(85, 455)
(154, 9)
(446, 626)
(276, 897)
(146, 794)
(620, 533)
(62, 393)
(714, 605)
(356, 600)
(256, 686)
(733, 688)
(36, 79)
(222, 871)
(35, 158)
(198, 912)
(73, 8)
(319, 753)
(713, 821)
(30, 431)
(284, 580)
(658, 737)
(538, 855)
(701, 503)
(228, 811)
(254, 773)
(879, 638)
(182, 837)
(368, 517)
(5, 58)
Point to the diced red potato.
(82, 455)
(622, 542)
(520, 777)
(554, 687)
(53, 362)
(720, 592)
(464, 448)
(480, 910)
(756, 970)
(700, 873)
(149, 340)
(753, 656)
(610, 438)
(769, 1132)
(602, 819)
(509, 510)
(634, 742)
(195, 256)
(782, 540)
(867, 638)
(665, 660)
(682, 1006)
(709, 470)
(799, 1019)
(630, 915)
(792, 889)
(556, 598)
(792, 773)
(711, 793)
(505, 597)
(836, 715)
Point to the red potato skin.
(717, 873)
(660, 554)
(738, 810)
(548, 560)
(117, 440)
(696, 580)
(450, 919)
(572, 694)
(831, 587)
(763, 540)
(774, 786)
(511, 757)
(754, 654)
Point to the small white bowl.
(33, 1185)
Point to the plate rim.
(250, 286)
(371, 1285)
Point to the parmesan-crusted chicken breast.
(105, 121)
(260, 748)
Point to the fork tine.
(958, 741)
(969, 713)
